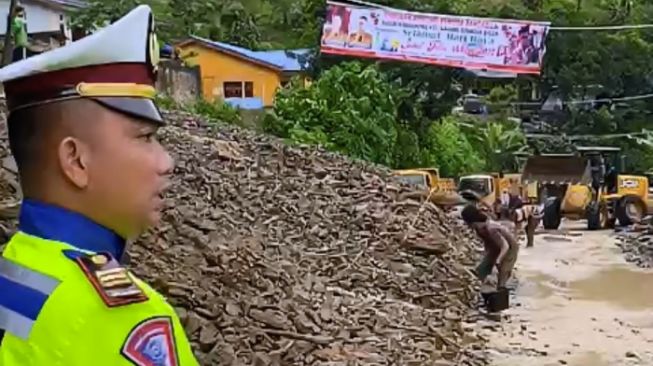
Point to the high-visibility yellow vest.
(52, 314)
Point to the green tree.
(616, 63)
(350, 109)
(499, 100)
(223, 20)
(449, 149)
(99, 13)
(497, 143)
(408, 151)
(639, 153)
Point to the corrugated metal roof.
(284, 60)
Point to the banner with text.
(510, 46)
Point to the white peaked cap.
(115, 66)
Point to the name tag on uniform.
(114, 283)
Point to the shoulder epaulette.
(113, 282)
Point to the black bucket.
(497, 301)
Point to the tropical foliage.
(499, 143)
(450, 149)
(369, 123)
(400, 114)
(350, 109)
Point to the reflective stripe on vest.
(24, 292)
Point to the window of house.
(285, 83)
(233, 89)
(249, 89)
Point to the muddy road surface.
(577, 302)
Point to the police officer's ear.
(73, 156)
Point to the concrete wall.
(183, 84)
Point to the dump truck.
(441, 191)
(584, 185)
(488, 187)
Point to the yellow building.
(241, 77)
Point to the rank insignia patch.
(151, 343)
(113, 282)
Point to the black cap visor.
(142, 108)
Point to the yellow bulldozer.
(588, 184)
(441, 191)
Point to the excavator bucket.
(447, 198)
(557, 169)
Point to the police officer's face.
(128, 172)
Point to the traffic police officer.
(82, 128)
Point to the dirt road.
(577, 303)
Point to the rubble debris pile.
(637, 245)
(10, 193)
(279, 255)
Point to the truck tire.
(552, 217)
(611, 216)
(630, 210)
(593, 215)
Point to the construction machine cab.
(588, 184)
(649, 177)
(606, 163)
(477, 187)
(625, 196)
(414, 178)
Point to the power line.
(579, 102)
(603, 27)
(644, 132)
(575, 102)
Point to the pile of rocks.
(637, 245)
(10, 193)
(279, 255)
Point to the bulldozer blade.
(557, 169)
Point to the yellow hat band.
(116, 90)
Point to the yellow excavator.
(588, 184)
(441, 191)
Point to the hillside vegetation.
(399, 114)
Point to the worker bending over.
(501, 247)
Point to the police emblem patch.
(151, 343)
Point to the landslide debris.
(280, 255)
(636, 243)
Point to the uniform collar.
(57, 223)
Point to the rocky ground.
(287, 255)
(637, 245)
(578, 303)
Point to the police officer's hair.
(31, 130)
(26, 126)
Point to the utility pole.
(6, 52)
